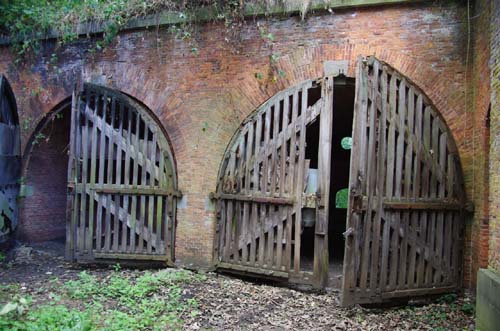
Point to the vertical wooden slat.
(410, 216)
(321, 254)
(427, 216)
(379, 184)
(72, 173)
(387, 243)
(144, 171)
(109, 179)
(299, 185)
(399, 267)
(102, 149)
(83, 203)
(93, 164)
(151, 152)
(369, 164)
(128, 181)
(135, 180)
(160, 244)
(351, 249)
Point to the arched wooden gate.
(10, 160)
(406, 199)
(122, 181)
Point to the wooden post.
(320, 266)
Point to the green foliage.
(341, 198)
(2, 257)
(48, 318)
(29, 21)
(151, 301)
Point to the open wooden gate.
(405, 216)
(122, 181)
(261, 187)
(10, 160)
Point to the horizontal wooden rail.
(420, 204)
(253, 198)
(132, 256)
(255, 270)
(122, 189)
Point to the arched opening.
(109, 152)
(379, 137)
(10, 161)
(122, 179)
(45, 174)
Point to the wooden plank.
(109, 179)
(128, 178)
(83, 204)
(349, 272)
(270, 237)
(160, 226)
(71, 198)
(265, 162)
(135, 181)
(321, 253)
(399, 250)
(410, 218)
(253, 270)
(229, 228)
(101, 161)
(380, 166)
(151, 198)
(427, 217)
(262, 242)
(367, 163)
(387, 275)
(300, 184)
(142, 206)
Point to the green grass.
(119, 301)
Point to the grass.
(119, 301)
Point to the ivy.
(26, 22)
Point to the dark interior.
(343, 106)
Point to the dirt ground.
(231, 303)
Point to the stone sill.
(208, 14)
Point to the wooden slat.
(111, 138)
(321, 254)
(368, 164)
(72, 170)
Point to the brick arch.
(307, 63)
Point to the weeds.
(151, 301)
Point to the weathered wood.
(321, 253)
(129, 203)
(416, 204)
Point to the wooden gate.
(122, 181)
(405, 216)
(261, 187)
(10, 160)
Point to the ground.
(44, 292)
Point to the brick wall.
(494, 256)
(478, 104)
(202, 98)
(43, 212)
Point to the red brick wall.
(478, 100)
(494, 256)
(201, 99)
(43, 212)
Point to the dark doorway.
(343, 107)
(43, 216)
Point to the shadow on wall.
(44, 196)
